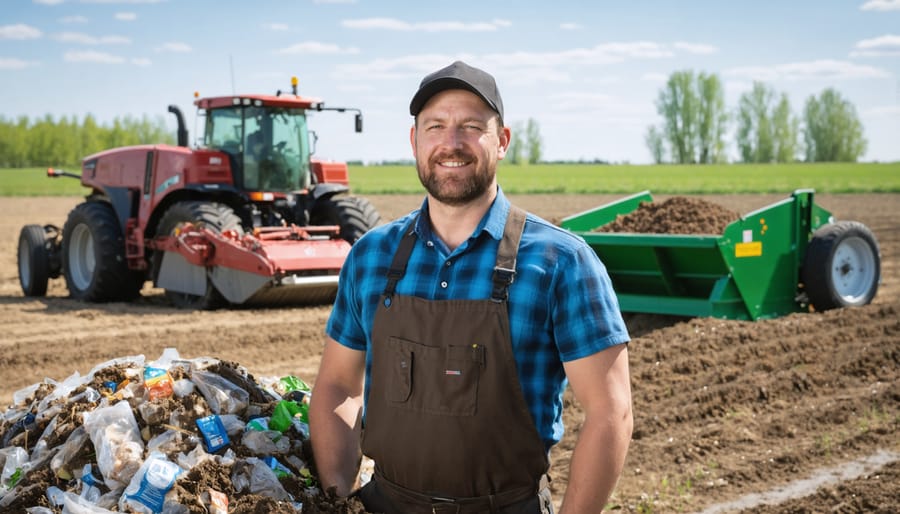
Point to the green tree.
(677, 104)
(766, 132)
(711, 119)
(656, 144)
(832, 132)
(754, 125)
(516, 150)
(694, 117)
(785, 131)
(534, 141)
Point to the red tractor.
(247, 217)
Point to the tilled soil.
(727, 413)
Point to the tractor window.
(276, 155)
(224, 130)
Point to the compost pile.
(677, 215)
(173, 436)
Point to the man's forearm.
(334, 433)
(596, 463)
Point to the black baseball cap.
(458, 75)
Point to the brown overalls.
(446, 420)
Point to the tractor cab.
(266, 137)
(269, 146)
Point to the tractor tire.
(353, 214)
(34, 260)
(842, 267)
(93, 256)
(214, 216)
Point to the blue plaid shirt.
(561, 305)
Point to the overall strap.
(505, 268)
(401, 258)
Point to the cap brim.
(442, 84)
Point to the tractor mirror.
(359, 122)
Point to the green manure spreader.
(790, 256)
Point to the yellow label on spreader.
(752, 249)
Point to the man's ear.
(412, 139)
(505, 139)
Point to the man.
(457, 327)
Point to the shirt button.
(429, 244)
(444, 284)
(448, 263)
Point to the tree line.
(64, 142)
(695, 122)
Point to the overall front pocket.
(434, 380)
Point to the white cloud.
(141, 61)
(821, 69)
(93, 56)
(334, 1)
(15, 64)
(48, 2)
(695, 48)
(659, 78)
(277, 27)
(570, 26)
(87, 39)
(19, 31)
(881, 5)
(317, 48)
(175, 47)
(528, 67)
(125, 16)
(432, 26)
(884, 111)
(73, 19)
(887, 45)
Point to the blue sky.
(589, 72)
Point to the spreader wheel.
(34, 260)
(93, 256)
(211, 215)
(353, 214)
(842, 266)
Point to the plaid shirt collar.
(493, 222)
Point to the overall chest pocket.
(434, 380)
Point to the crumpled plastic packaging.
(221, 394)
(257, 477)
(146, 493)
(117, 439)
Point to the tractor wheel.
(214, 216)
(34, 260)
(93, 256)
(842, 267)
(353, 214)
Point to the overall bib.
(446, 420)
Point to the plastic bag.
(265, 442)
(222, 395)
(117, 441)
(60, 464)
(147, 491)
(256, 477)
(14, 463)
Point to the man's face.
(457, 143)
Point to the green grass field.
(577, 179)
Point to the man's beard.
(454, 189)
